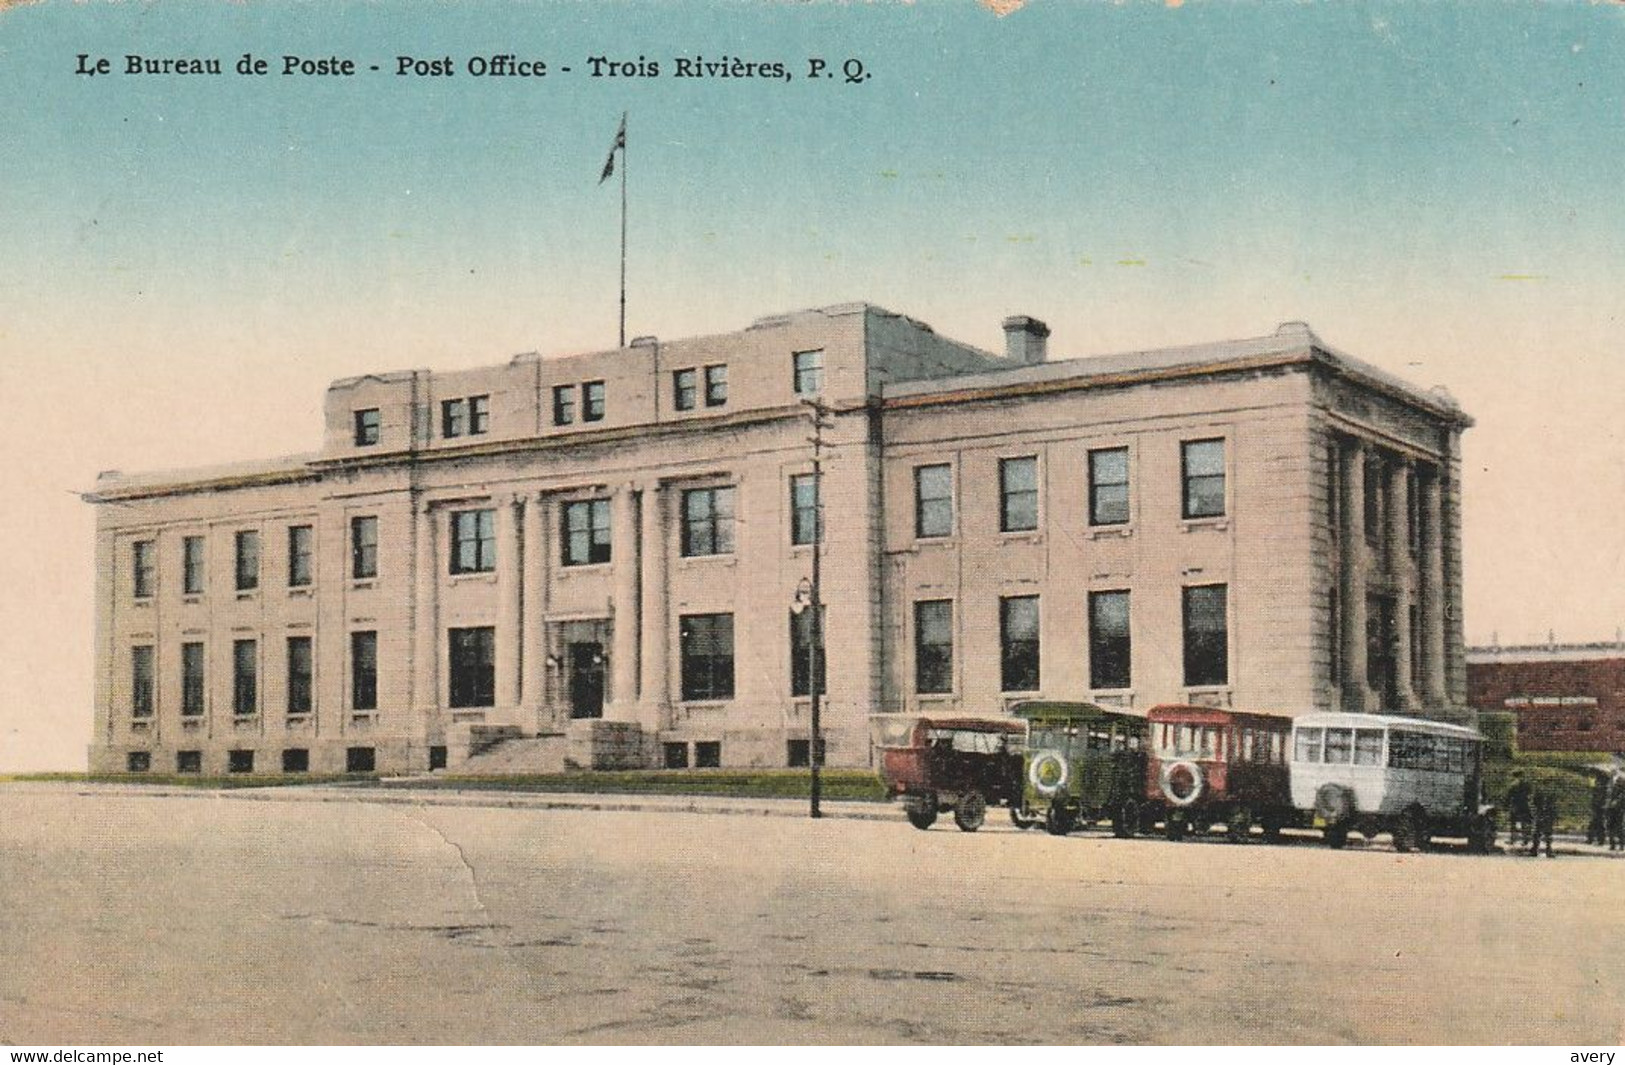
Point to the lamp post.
(815, 642)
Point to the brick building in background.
(1564, 697)
(594, 558)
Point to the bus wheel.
(1058, 822)
(1337, 836)
(1020, 819)
(970, 811)
(1174, 828)
(1240, 825)
(1405, 832)
(922, 811)
(1272, 828)
(1481, 834)
(1126, 819)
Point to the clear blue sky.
(188, 260)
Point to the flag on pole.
(619, 145)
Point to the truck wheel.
(970, 811)
(921, 810)
(1174, 827)
(1240, 825)
(1126, 819)
(1337, 836)
(1020, 819)
(1404, 832)
(1272, 827)
(1058, 822)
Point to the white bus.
(1407, 776)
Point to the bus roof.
(1337, 719)
(1039, 708)
(1214, 715)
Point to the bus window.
(1277, 748)
(1368, 746)
(1339, 745)
(1307, 748)
(1246, 745)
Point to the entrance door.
(586, 679)
(1382, 649)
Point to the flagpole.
(623, 228)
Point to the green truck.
(1083, 763)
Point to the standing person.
(1518, 809)
(1616, 811)
(1597, 828)
(1543, 805)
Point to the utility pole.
(815, 746)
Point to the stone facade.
(604, 549)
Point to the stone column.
(655, 695)
(624, 655)
(1402, 573)
(508, 622)
(1355, 566)
(426, 621)
(533, 624)
(1433, 600)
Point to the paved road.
(135, 917)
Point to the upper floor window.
(592, 401)
(1018, 494)
(363, 547)
(809, 370)
(141, 683)
(564, 404)
(586, 532)
(301, 555)
(248, 560)
(453, 417)
(708, 521)
(806, 517)
(1108, 486)
(366, 427)
(473, 541)
(192, 565)
(1207, 639)
(1202, 468)
(1109, 645)
(143, 567)
(716, 385)
(685, 388)
(479, 415)
(933, 500)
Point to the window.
(473, 667)
(933, 501)
(360, 760)
(1207, 644)
(138, 761)
(363, 548)
(141, 690)
(188, 761)
(143, 560)
(245, 677)
(934, 646)
(1368, 746)
(479, 415)
(363, 671)
(809, 372)
(1109, 643)
(1018, 643)
(676, 755)
(299, 674)
(192, 565)
(707, 646)
(1339, 746)
(586, 532)
(301, 555)
(806, 519)
(239, 761)
(473, 541)
(1306, 745)
(805, 663)
(1202, 466)
(564, 404)
(592, 401)
(437, 757)
(716, 385)
(708, 521)
(191, 679)
(1108, 486)
(366, 427)
(296, 760)
(684, 395)
(708, 754)
(248, 560)
(453, 417)
(1018, 494)
(1376, 498)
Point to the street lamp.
(814, 600)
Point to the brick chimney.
(1025, 339)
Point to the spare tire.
(1333, 803)
(1182, 782)
(1048, 772)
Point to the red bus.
(1210, 766)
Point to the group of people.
(1532, 813)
